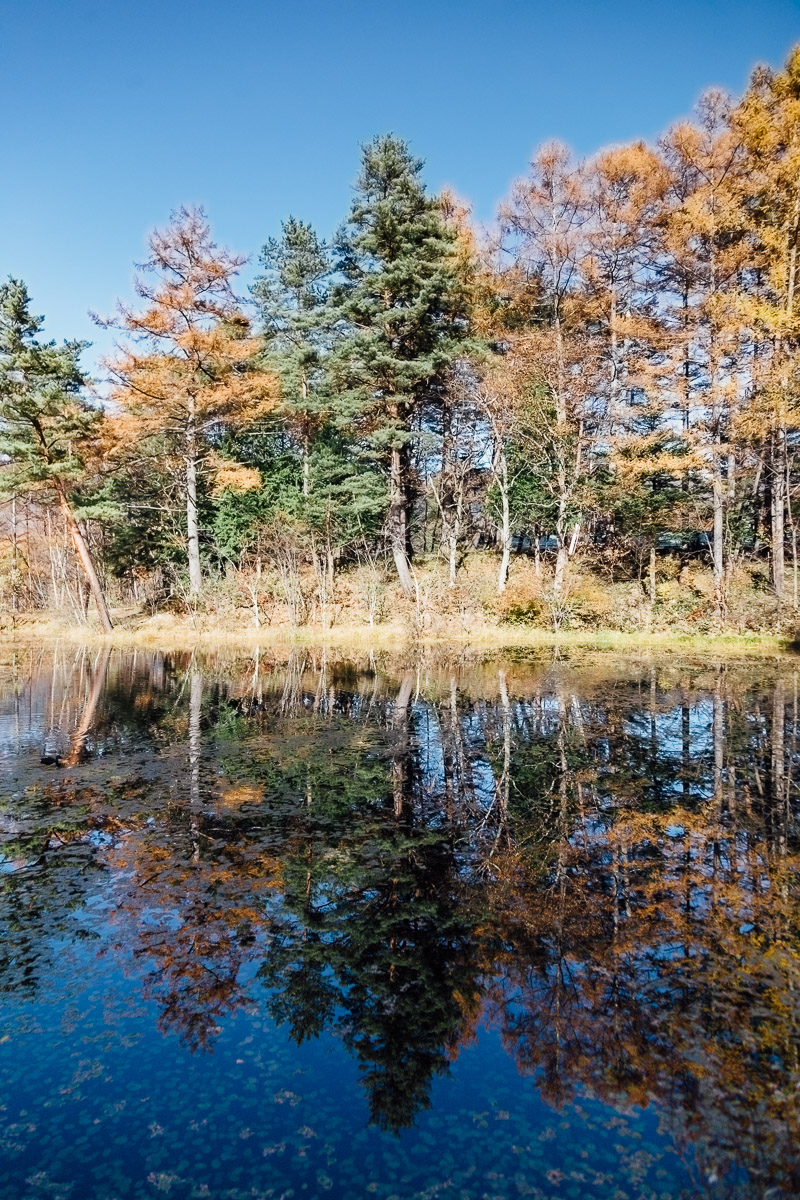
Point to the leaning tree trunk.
(90, 708)
(398, 519)
(192, 530)
(85, 555)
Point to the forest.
(585, 415)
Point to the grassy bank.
(590, 612)
(167, 631)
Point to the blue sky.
(117, 111)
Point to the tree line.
(609, 373)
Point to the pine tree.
(291, 298)
(48, 429)
(400, 307)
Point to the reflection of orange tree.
(197, 920)
(659, 959)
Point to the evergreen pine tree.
(400, 310)
(291, 299)
(47, 427)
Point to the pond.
(298, 925)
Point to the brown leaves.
(189, 355)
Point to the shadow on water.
(398, 879)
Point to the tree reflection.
(604, 865)
(377, 946)
(654, 957)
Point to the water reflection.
(600, 862)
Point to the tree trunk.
(778, 763)
(87, 562)
(306, 439)
(718, 540)
(504, 784)
(192, 531)
(400, 722)
(565, 553)
(329, 579)
(398, 519)
(718, 725)
(653, 576)
(561, 534)
(792, 528)
(254, 593)
(453, 560)
(306, 470)
(14, 559)
(455, 532)
(502, 481)
(778, 507)
(561, 566)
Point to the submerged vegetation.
(584, 417)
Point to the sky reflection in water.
(405, 929)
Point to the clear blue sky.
(117, 111)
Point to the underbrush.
(367, 603)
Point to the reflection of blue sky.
(23, 723)
(668, 728)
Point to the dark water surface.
(494, 928)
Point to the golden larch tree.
(768, 122)
(186, 372)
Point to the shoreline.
(161, 633)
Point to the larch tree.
(48, 429)
(625, 190)
(506, 305)
(186, 374)
(544, 225)
(400, 309)
(644, 453)
(705, 253)
(768, 122)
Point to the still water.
(305, 926)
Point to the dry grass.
(166, 631)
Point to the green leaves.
(399, 300)
(46, 422)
